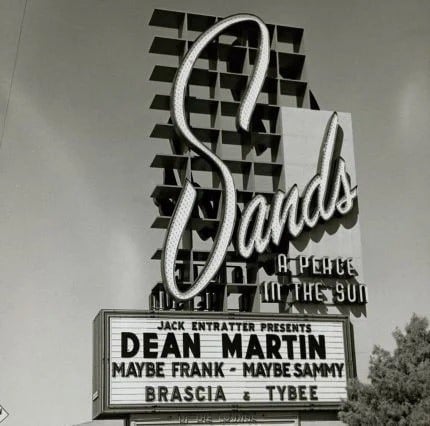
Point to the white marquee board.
(172, 361)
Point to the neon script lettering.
(326, 193)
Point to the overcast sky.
(75, 180)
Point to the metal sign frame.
(219, 418)
(101, 371)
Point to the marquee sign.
(234, 248)
(182, 361)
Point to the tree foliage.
(399, 388)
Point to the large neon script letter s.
(187, 198)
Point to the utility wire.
(13, 74)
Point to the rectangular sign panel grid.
(195, 361)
